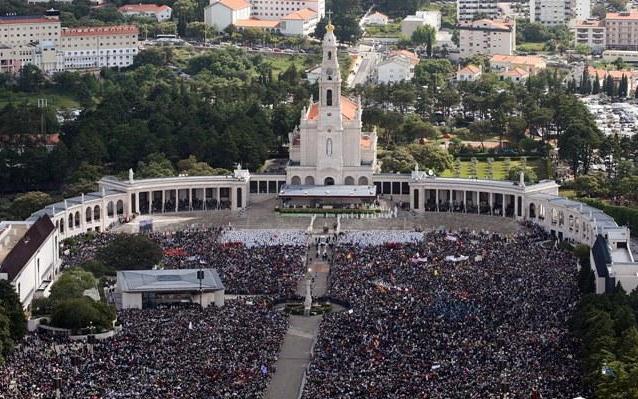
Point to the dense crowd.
(253, 262)
(225, 352)
(367, 238)
(84, 247)
(453, 316)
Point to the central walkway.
(295, 354)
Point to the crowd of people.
(169, 353)
(253, 262)
(453, 316)
(368, 238)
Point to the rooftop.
(233, 4)
(143, 8)
(631, 15)
(100, 30)
(532, 60)
(256, 23)
(26, 19)
(168, 280)
(301, 15)
(26, 246)
(470, 70)
(348, 109)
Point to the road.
(366, 68)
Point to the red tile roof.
(349, 109)
(233, 4)
(633, 14)
(101, 30)
(301, 15)
(143, 8)
(470, 70)
(26, 20)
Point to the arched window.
(329, 98)
(329, 55)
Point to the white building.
(21, 30)
(329, 148)
(142, 289)
(99, 46)
(278, 9)
(376, 18)
(29, 257)
(159, 12)
(530, 63)
(558, 12)
(299, 23)
(469, 73)
(622, 30)
(486, 36)
(399, 66)
(412, 22)
(589, 32)
(468, 10)
(222, 13)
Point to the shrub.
(79, 313)
(130, 252)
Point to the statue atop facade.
(130, 175)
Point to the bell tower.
(330, 81)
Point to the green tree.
(424, 36)
(530, 175)
(71, 284)
(156, 165)
(82, 313)
(31, 79)
(431, 157)
(25, 204)
(6, 342)
(130, 252)
(12, 306)
(399, 160)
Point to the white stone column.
(412, 191)
(503, 206)
(150, 202)
(464, 201)
(190, 199)
(516, 207)
(163, 200)
(491, 202)
(137, 202)
(436, 198)
(478, 202)
(450, 200)
(176, 200)
(422, 200)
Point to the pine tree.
(610, 86)
(596, 86)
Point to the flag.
(190, 325)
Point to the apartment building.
(467, 10)
(590, 32)
(21, 30)
(99, 46)
(558, 12)
(278, 9)
(622, 30)
(486, 36)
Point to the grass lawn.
(55, 100)
(392, 29)
(500, 172)
(567, 193)
(281, 62)
(530, 46)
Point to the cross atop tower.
(329, 26)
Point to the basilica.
(329, 148)
(332, 169)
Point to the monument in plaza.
(329, 148)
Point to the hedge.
(622, 215)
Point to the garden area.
(392, 29)
(494, 169)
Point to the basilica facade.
(328, 147)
